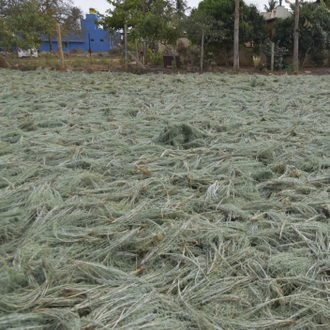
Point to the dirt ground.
(222, 69)
(106, 63)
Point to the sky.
(102, 5)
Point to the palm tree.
(296, 37)
(271, 5)
(236, 36)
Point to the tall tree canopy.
(271, 5)
(198, 21)
(251, 24)
(153, 20)
(163, 22)
(314, 27)
(122, 12)
(26, 17)
(62, 12)
(22, 25)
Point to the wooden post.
(59, 43)
(136, 49)
(136, 60)
(144, 52)
(272, 57)
(126, 55)
(202, 50)
(89, 49)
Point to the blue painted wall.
(100, 40)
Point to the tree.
(9, 7)
(155, 21)
(53, 11)
(236, 36)
(163, 22)
(314, 32)
(201, 30)
(123, 12)
(62, 12)
(251, 24)
(296, 37)
(71, 23)
(22, 26)
(271, 5)
(256, 31)
(198, 21)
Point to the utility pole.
(236, 36)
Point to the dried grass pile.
(164, 202)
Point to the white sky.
(103, 5)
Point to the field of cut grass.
(164, 201)
(71, 62)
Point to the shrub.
(279, 53)
(257, 62)
(77, 51)
(116, 51)
(193, 55)
(318, 57)
(155, 59)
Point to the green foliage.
(24, 27)
(314, 27)
(210, 59)
(162, 23)
(222, 11)
(63, 13)
(279, 54)
(217, 20)
(155, 58)
(318, 56)
(271, 5)
(122, 12)
(71, 21)
(199, 21)
(255, 28)
(256, 61)
(29, 19)
(193, 54)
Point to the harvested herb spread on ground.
(164, 201)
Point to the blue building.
(100, 40)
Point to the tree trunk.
(236, 36)
(59, 43)
(144, 52)
(50, 43)
(136, 49)
(125, 38)
(144, 42)
(296, 37)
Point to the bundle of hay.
(181, 136)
